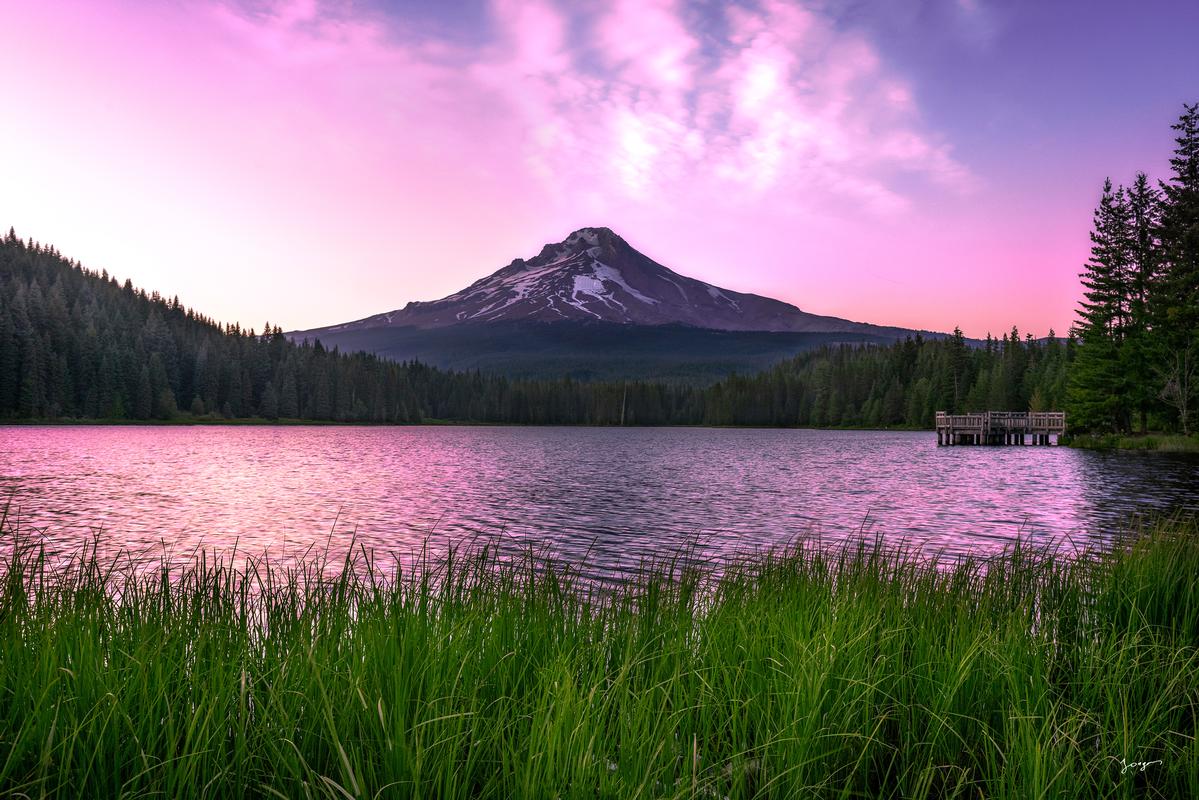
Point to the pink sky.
(315, 162)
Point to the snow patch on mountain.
(586, 285)
(716, 294)
(605, 273)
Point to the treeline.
(77, 344)
(901, 385)
(904, 384)
(1138, 363)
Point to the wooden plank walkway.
(1001, 427)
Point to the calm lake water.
(602, 498)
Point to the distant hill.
(593, 306)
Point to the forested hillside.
(78, 344)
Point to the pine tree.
(32, 394)
(164, 404)
(143, 399)
(289, 403)
(270, 401)
(1137, 352)
(1098, 393)
(10, 359)
(1177, 297)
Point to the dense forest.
(904, 384)
(1138, 366)
(78, 344)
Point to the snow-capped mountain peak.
(595, 275)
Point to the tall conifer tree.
(1137, 352)
(1177, 297)
(1098, 396)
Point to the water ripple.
(608, 497)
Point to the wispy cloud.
(410, 147)
(627, 100)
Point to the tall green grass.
(1164, 442)
(804, 674)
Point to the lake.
(601, 498)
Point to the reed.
(804, 673)
(1164, 442)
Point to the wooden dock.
(1001, 427)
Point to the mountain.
(594, 306)
(594, 275)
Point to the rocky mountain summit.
(595, 275)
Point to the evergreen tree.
(270, 401)
(1097, 392)
(143, 399)
(289, 403)
(1177, 297)
(1137, 352)
(31, 396)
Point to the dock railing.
(999, 427)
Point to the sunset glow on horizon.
(311, 162)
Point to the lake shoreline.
(1149, 442)
(428, 423)
(1152, 442)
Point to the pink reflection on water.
(601, 499)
